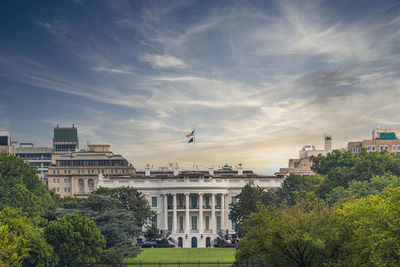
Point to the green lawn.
(185, 255)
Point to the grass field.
(193, 255)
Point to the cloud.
(112, 70)
(162, 61)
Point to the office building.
(65, 140)
(6, 144)
(192, 206)
(75, 174)
(382, 139)
(39, 157)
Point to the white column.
(166, 212)
(186, 213)
(213, 228)
(174, 218)
(222, 211)
(201, 230)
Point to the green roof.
(387, 136)
(65, 134)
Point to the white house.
(192, 206)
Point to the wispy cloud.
(162, 61)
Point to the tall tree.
(247, 202)
(131, 200)
(20, 187)
(294, 236)
(75, 239)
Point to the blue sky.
(257, 79)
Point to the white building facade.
(192, 206)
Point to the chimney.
(240, 169)
(147, 170)
(211, 171)
(176, 170)
(328, 144)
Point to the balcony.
(181, 207)
(181, 231)
(194, 206)
(194, 231)
(206, 207)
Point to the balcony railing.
(206, 207)
(181, 206)
(194, 231)
(194, 206)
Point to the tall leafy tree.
(371, 230)
(37, 251)
(75, 239)
(247, 202)
(293, 236)
(20, 187)
(131, 200)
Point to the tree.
(39, 253)
(12, 247)
(247, 202)
(292, 236)
(371, 230)
(152, 233)
(20, 187)
(115, 223)
(75, 239)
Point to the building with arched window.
(75, 174)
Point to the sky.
(257, 80)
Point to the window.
(69, 171)
(398, 148)
(207, 222)
(394, 148)
(112, 171)
(65, 172)
(218, 222)
(380, 147)
(88, 171)
(58, 189)
(79, 171)
(181, 222)
(154, 202)
(54, 181)
(358, 149)
(169, 202)
(58, 181)
(194, 222)
(373, 148)
(207, 202)
(218, 201)
(386, 147)
(65, 181)
(154, 221)
(234, 200)
(194, 201)
(58, 171)
(92, 171)
(54, 171)
(169, 223)
(354, 150)
(81, 186)
(368, 148)
(91, 185)
(65, 189)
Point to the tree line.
(38, 228)
(347, 214)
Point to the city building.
(192, 206)
(382, 139)
(75, 174)
(302, 165)
(65, 140)
(39, 157)
(6, 144)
